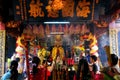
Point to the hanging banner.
(52, 10)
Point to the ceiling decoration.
(101, 23)
(105, 20)
(111, 6)
(13, 24)
(61, 10)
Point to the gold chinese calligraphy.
(35, 9)
(67, 8)
(83, 9)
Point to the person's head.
(93, 58)
(36, 61)
(17, 59)
(82, 55)
(14, 64)
(114, 59)
(14, 71)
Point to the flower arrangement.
(79, 49)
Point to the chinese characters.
(35, 9)
(68, 10)
(82, 9)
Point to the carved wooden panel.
(2, 51)
(113, 41)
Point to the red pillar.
(2, 26)
(27, 61)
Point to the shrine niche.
(63, 44)
(43, 31)
(58, 38)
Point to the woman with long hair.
(12, 74)
(35, 73)
(40, 72)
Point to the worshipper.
(35, 73)
(83, 72)
(40, 72)
(95, 68)
(112, 72)
(12, 73)
(95, 65)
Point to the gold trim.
(21, 6)
(2, 51)
(113, 41)
(25, 11)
